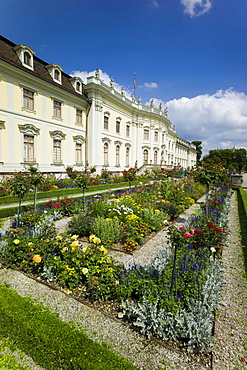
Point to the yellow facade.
(50, 120)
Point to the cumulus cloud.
(104, 77)
(194, 8)
(218, 120)
(150, 85)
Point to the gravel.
(230, 327)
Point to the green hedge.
(62, 192)
(242, 212)
(52, 343)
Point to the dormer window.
(77, 84)
(56, 72)
(57, 75)
(27, 58)
(25, 54)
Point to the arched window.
(57, 75)
(78, 86)
(117, 155)
(127, 157)
(145, 156)
(155, 156)
(106, 154)
(27, 58)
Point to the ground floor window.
(28, 148)
(145, 156)
(57, 151)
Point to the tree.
(232, 159)
(198, 150)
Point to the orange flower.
(37, 258)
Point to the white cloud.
(153, 3)
(194, 8)
(150, 85)
(104, 77)
(218, 120)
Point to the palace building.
(52, 120)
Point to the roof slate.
(8, 55)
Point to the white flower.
(213, 250)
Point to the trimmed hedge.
(52, 343)
(63, 192)
(242, 211)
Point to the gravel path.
(231, 325)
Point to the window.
(117, 155)
(163, 138)
(127, 130)
(28, 148)
(78, 151)
(57, 75)
(57, 109)
(106, 154)
(127, 156)
(106, 123)
(25, 54)
(78, 86)
(146, 134)
(145, 156)
(57, 151)
(78, 116)
(28, 99)
(156, 136)
(27, 58)
(155, 156)
(118, 126)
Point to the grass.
(242, 211)
(52, 343)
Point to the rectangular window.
(127, 130)
(57, 109)
(78, 150)
(163, 138)
(28, 148)
(57, 151)
(106, 123)
(28, 99)
(146, 134)
(118, 127)
(78, 116)
(156, 136)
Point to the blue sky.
(189, 55)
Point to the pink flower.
(187, 235)
(192, 231)
(181, 227)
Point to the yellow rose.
(37, 258)
(84, 249)
(16, 241)
(64, 249)
(116, 282)
(84, 270)
(102, 249)
(74, 237)
(59, 237)
(74, 244)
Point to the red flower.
(199, 232)
(243, 359)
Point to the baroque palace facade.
(51, 120)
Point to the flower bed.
(173, 298)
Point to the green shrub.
(108, 230)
